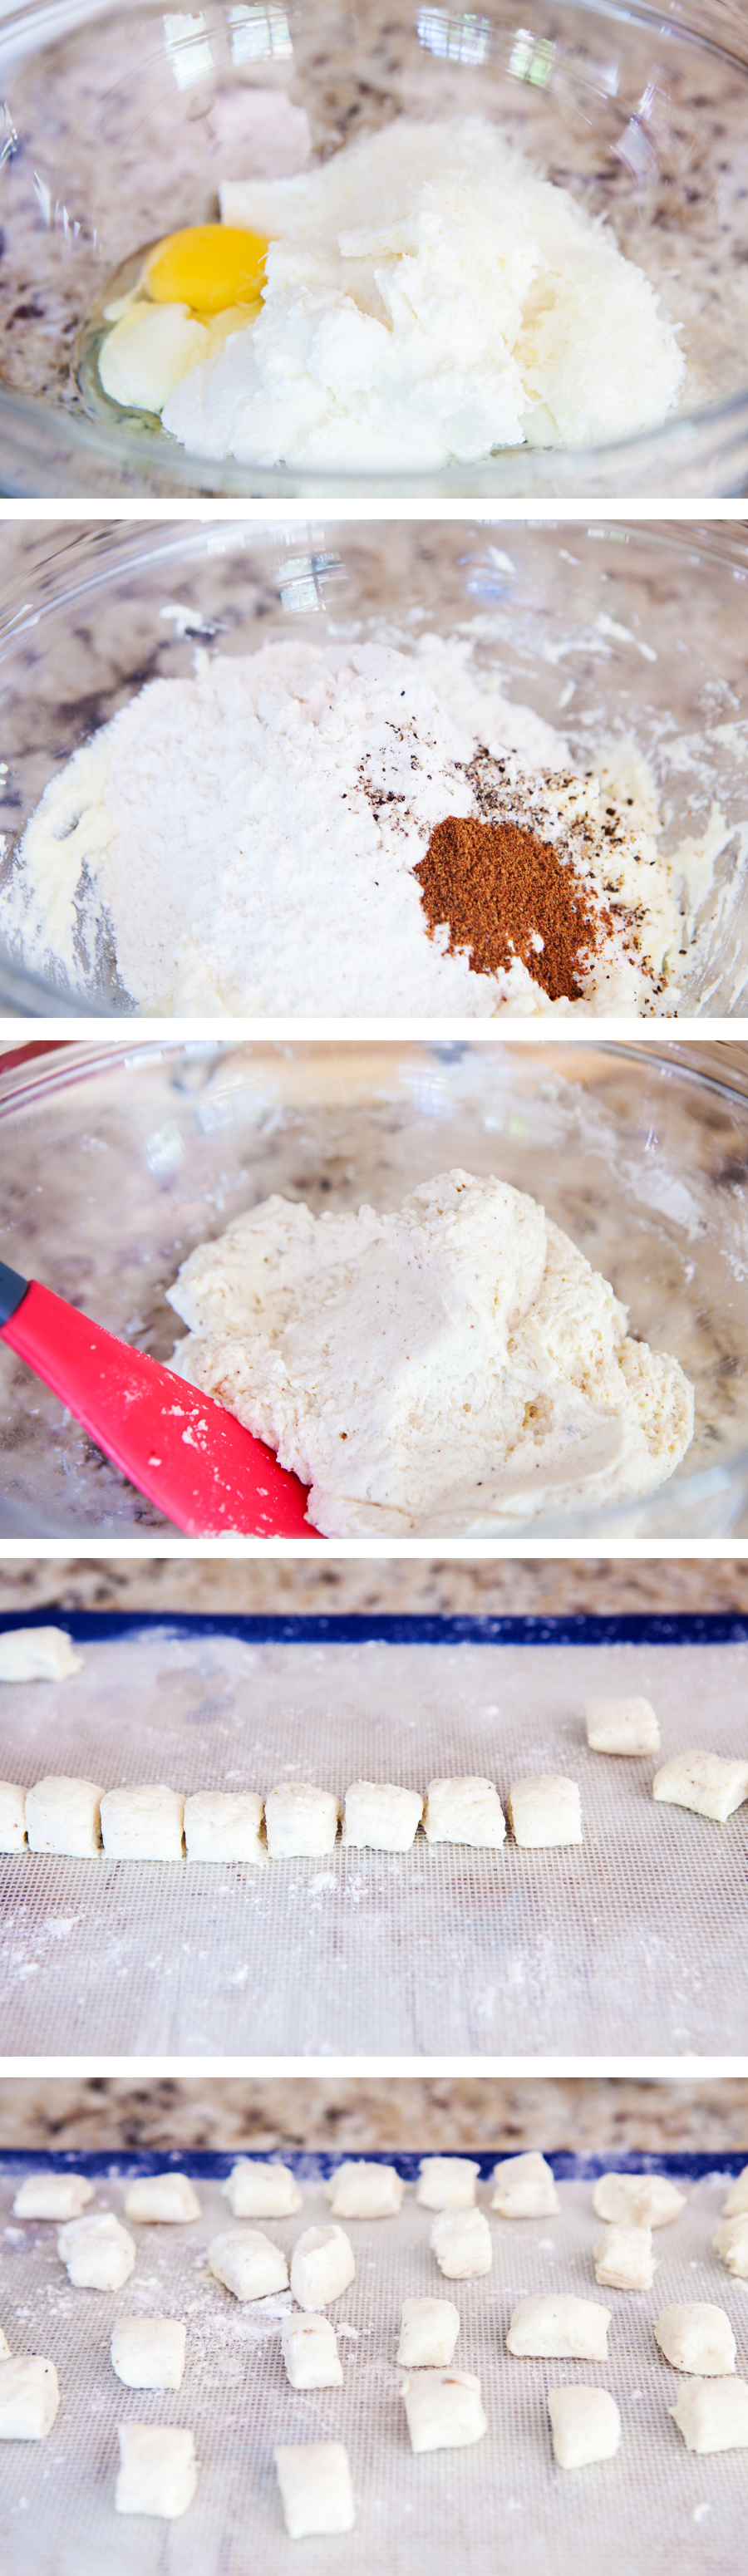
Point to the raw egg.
(208, 266)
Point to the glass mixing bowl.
(117, 1161)
(604, 631)
(118, 127)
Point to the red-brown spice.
(495, 884)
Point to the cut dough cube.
(637, 2200)
(585, 2425)
(544, 1811)
(381, 1817)
(444, 2410)
(713, 2415)
(624, 2259)
(447, 2182)
(737, 2197)
(29, 2398)
(461, 2241)
(143, 1824)
(464, 1811)
(262, 2191)
(97, 2252)
(248, 2263)
(37, 1655)
(316, 2488)
(148, 2352)
(224, 1825)
(63, 1816)
(53, 2195)
(12, 1817)
(322, 2266)
(697, 2338)
(158, 2470)
(300, 1822)
(703, 1782)
(524, 2187)
(621, 1726)
(428, 2334)
(165, 2199)
(365, 2191)
(559, 2328)
(731, 2244)
(309, 2345)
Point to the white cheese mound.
(452, 1367)
(428, 298)
(247, 840)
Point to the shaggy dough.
(53, 2195)
(12, 1817)
(221, 1824)
(248, 2263)
(731, 2244)
(365, 2191)
(453, 1366)
(624, 2259)
(143, 1824)
(322, 2266)
(300, 1822)
(698, 2338)
(559, 2328)
(704, 1782)
(309, 2345)
(149, 2352)
(381, 1817)
(37, 1655)
(165, 2199)
(713, 2415)
(461, 2241)
(428, 2334)
(737, 2197)
(316, 2488)
(621, 1726)
(544, 1811)
(62, 1815)
(585, 2425)
(97, 2252)
(523, 2187)
(256, 2190)
(464, 1811)
(29, 2398)
(158, 2470)
(444, 2410)
(637, 2200)
(447, 2182)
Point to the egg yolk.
(208, 266)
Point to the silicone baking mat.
(498, 2507)
(634, 1943)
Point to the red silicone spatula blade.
(192, 1458)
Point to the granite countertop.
(361, 2115)
(449, 1587)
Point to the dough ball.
(309, 2345)
(464, 1811)
(63, 1816)
(219, 1825)
(143, 1824)
(737, 2197)
(165, 2199)
(258, 2190)
(365, 2191)
(316, 2488)
(158, 2470)
(712, 2415)
(380, 1816)
(444, 2410)
(97, 2252)
(53, 2195)
(428, 2334)
(544, 1811)
(461, 2241)
(37, 1655)
(559, 2328)
(29, 2398)
(704, 1782)
(12, 1817)
(698, 2338)
(447, 2182)
(585, 2425)
(731, 2244)
(300, 1822)
(637, 2200)
(624, 2259)
(149, 2352)
(524, 2187)
(621, 1726)
(248, 2263)
(322, 2266)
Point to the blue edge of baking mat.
(638, 1628)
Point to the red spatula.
(192, 1458)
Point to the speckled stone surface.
(362, 2115)
(439, 1587)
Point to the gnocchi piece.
(444, 2410)
(696, 2337)
(316, 2488)
(637, 2200)
(447, 2182)
(731, 2244)
(737, 2197)
(300, 1822)
(559, 2327)
(461, 2241)
(63, 1816)
(621, 1726)
(221, 1824)
(97, 2252)
(322, 2266)
(158, 2470)
(524, 2187)
(143, 1824)
(704, 1782)
(585, 2425)
(257, 2190)
(12, 1817)
(365, 2191)
(4, 2346)
(381, 1817)
(38, 1655)
(149, 2352)
(53, 2195)
(428, 2333)
(464, 1811)
(165, 2199)
(309, 2345)
(544, 1811)
(29, 2398)
(624, 2259)
(248, 2263)
(712, 2415)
